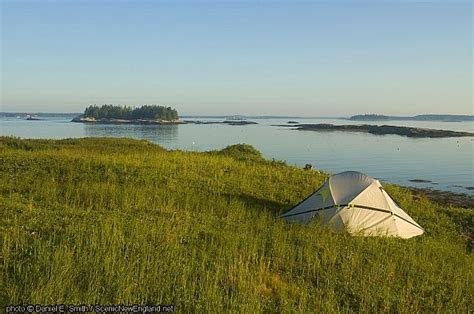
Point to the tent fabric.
(357, 203)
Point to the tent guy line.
(340, 206)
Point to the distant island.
(421, 117)
(147, 114)
(233, 122)
(381, 130)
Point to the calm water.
(448, 162)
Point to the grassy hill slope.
(126, 221)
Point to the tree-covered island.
(152, 114)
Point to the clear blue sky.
(316, 58)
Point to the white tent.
(357, 203)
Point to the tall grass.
(125, 221)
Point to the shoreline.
(446, 198)
(411, 132)
(442, 197)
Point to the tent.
(357, 203)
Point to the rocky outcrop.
(383, 130)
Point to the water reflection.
(164, 134)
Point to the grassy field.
(126, 221)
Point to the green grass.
(126, 221)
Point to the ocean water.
(447, 163)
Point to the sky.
(315, 58)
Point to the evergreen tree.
(148, 112)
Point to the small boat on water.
(32, 118)
(236, 117)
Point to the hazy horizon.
(250, 115)
(323, 59)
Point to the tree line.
(149, 112)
